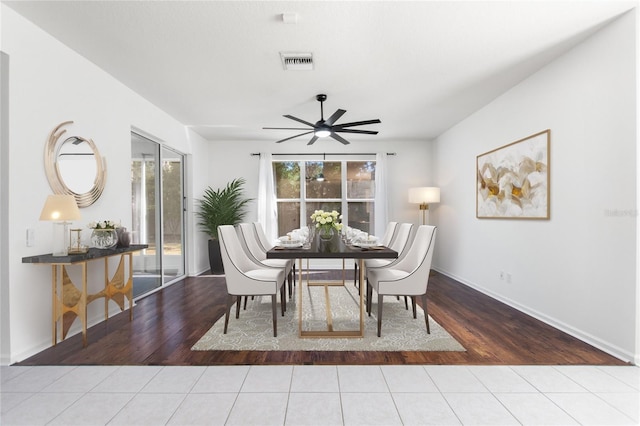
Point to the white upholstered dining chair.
(400, 243)
(408, 276)
(265, 246)
(251, 243)
(386, 239)
(244, 277)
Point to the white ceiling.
(419, 66)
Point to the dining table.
(335, 248)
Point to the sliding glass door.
(158, 215)
(172, 215)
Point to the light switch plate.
(31, 236)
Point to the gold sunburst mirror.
(74, 166)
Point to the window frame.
(343, 200)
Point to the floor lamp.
(60, 209)
(424, 196)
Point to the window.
(305, 186)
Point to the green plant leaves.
(224, 206)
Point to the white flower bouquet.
(326, 221)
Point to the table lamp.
(424, 196)
(60, 209)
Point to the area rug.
(254, 330)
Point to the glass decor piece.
(104, 238)
(75, 245)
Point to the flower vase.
(104, 238)
(326, 234)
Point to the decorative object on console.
(124, 237)
(424, 196)
(513, 180)
(74, 166)
(76, 246)
(104, 234)
(60, 209)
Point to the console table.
(72, 301)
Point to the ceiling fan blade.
(299, 120)
(335, 117)
(339, 139)
(313, 139)
(358, 123)
(285, 128)
(291, 137)
(364, 132)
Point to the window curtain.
(380, 209)
(267, 205)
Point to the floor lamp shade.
(60, 209)
(424, 196)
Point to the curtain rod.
(257, 154)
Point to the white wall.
(5, 344)
(198, 172)
(49, 84)
(576, 271)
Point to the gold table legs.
(330, 332)
(73, 300)
(71, 303)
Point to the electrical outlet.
(508, 278)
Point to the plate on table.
(287, 243)
(367, 244)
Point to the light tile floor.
(320, 395)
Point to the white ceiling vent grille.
(297, 61)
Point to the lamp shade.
(424, 194)
(60, 208)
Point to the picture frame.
(512, 181)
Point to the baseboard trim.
(592, 340)
(199, 273)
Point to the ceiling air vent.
(297, 61)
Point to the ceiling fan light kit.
(324, 128)
(322, 131)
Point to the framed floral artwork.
(513, 180)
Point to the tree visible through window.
(305, 186)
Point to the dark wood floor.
(167, 324)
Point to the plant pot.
(215, 257)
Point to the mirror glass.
(77, 164)
(74, 166)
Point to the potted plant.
(224, 206)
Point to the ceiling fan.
(324, 128)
